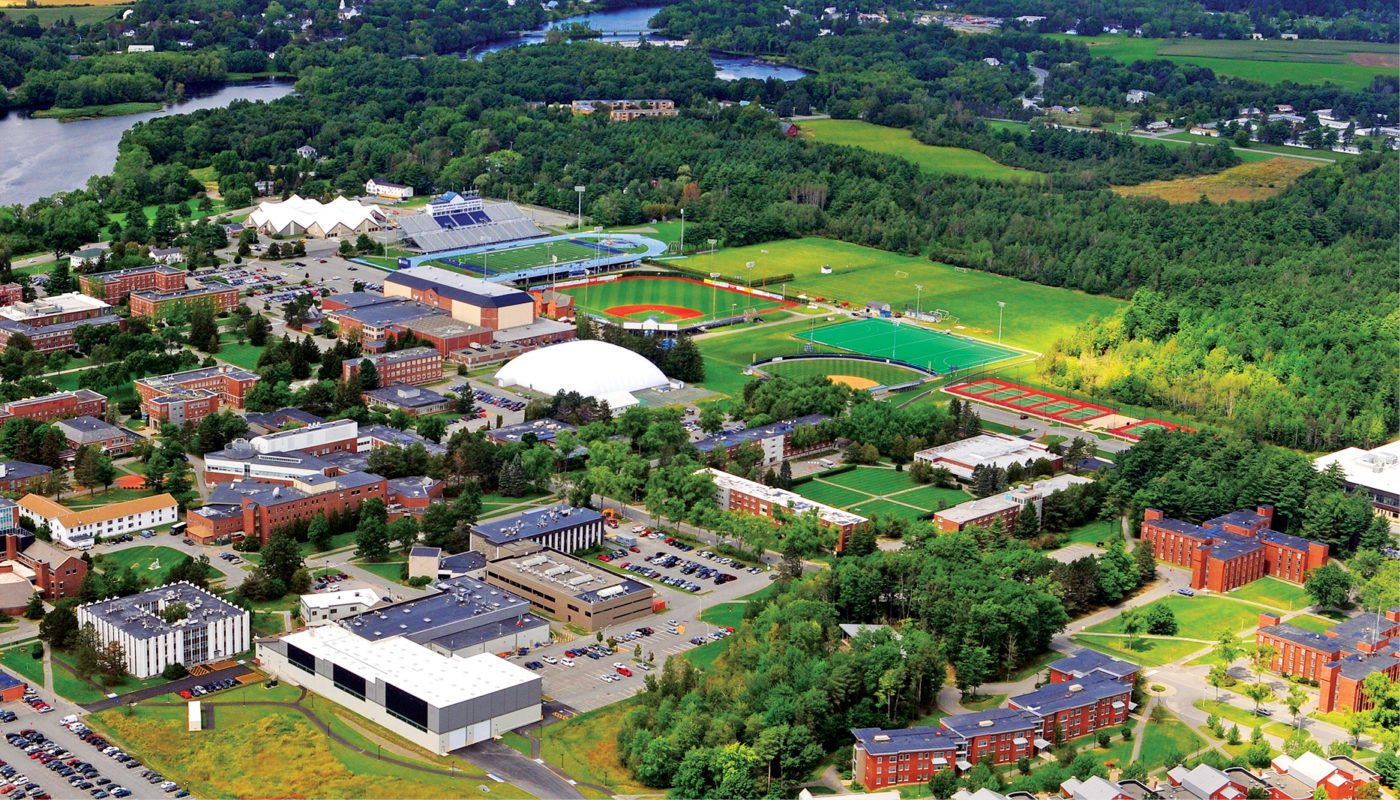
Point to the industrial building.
(80, 529)
(432, 563)
(733, 493)
(571, 590)
(212, 628)
(1375, 472)
(328, 607)
(563, 528)
(438, 701)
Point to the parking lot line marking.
(494, 778)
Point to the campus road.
(1042, 427)
(514, 768)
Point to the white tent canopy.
(589, 367)
(303, 215)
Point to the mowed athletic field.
(667, 299)
(900, 142)
(1244, 183)
(940, 352)
(525, 257)
(854, 372)
(882, 491)
(1349, 64)
(1035, 316)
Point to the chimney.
(11, 546)
(1267, 512)
(1266, 619)
(1151, 515)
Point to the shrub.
(1104, 738)
(37, 651)
(174, 672)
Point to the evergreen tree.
(785, 476)
(368, 375)
(281, 557)
(511, 482)
(1027, 522)
(86, 651)
(59, 627)
(319, 533)
(87, 471)
(34, 609)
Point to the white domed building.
(588, 366)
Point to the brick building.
(49, 324)
(117, 285)
(19, 476)
(553, 305)
(472, 300)
(411, 400)
(155, 305)
(1078, 708)
(11, 293)
(1084, 663)
(442, 333)
(412, 366)
(775, 439)
(883, 758)
(733, 493)
(1339, 659)
(1299, 778)
(258, 510)
(1001, 734)
(1232, 550)
(1003, 507)
(54, 573)
(81, 402)
(88, 430)
(195, 394)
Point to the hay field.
(1244, 183)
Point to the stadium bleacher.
(500, 222)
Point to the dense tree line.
(1365, 20)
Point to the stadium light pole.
(1001, 314)
(714, 294)
(918, 295)
(579, 190)
(749, 266)
(682, 231)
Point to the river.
(626, 24)
(41, 156)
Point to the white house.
(1138, 95)
(322, 609)
(87, 257)
(307, 151)
(379, 187)
(167, 255)
(174, 624)
(140, 48)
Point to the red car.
(187, 694)
(635, 549)
(604, 557)
(624, 672)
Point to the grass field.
(525, 257)
(685, 300)
(1309, 622)
(89, 112)
(231, 760)
(1151, 652)
(1197, 617)
(141, 559)
(915, 344)
(1244, 717)
(1268, 61)
(1274, 593)
(853, 372)
(1160, 739)
(49, 14)
(1035, 315)
(1090, 533)
(81, 498)
(900, 142)
(586, 748)
(1261, 152)
(1244, 183)
(729, 352)
(880, 491)
(24, 665)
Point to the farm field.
(900, 142)
(1244, 183)
(856, 373)
(910, 342)
(667, 299)
(1349, 64)
(1035, 315)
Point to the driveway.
(510, 766)
(165, 688)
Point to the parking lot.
(582, 687)
(26, 768)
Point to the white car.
(549, 659)
(568, 662)
(618, 665)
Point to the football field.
(938, 352)
(495, 262)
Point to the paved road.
(165, 689)
(514, 768)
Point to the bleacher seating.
(501, 222)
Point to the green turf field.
(830, 494)
(879, 491)
(1035, 315)
(1268, 61)
(883, 374)
(900, 142)
(912, 343)
(527, 256)
(666, 299)
(873, 480)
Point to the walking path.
(1141, 728)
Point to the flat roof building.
(212, 628)
(414, 366)
(563, 528)
(412, 400)
(438, 701)
(327, 607)
(114, 286)
(570, 589)
(778, 440)
(58, 405)
(1232, 550)
(740, 494)
(472, 300)
(1004, 506)
(194, 394)
(987, 450)
(1375, 472)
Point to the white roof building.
(320, 609)
(987, 449)
(590, 367)
(298, 215)
(1375, 471)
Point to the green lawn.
(706, 654)
(19, 661)
(1244, 717)
(879, 372)
(932, 498)
(141, 559)
(240, 355)
(388, 570)
(81, 15)
(725, 615)
(1263, 152)
(887, 508)
(1197, 617)
(900, 142)
(1169, 736)
(585, 747)
(729, 352)
(1269, 61)
(982, 702)
(82, 498)
(80, 691)
(266, 623)
(874, 480)
(1151, 652)
(1274, 593)
(1091, 532)
(1035, 315)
